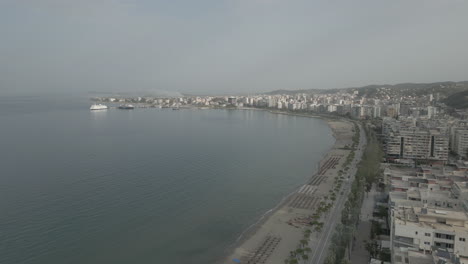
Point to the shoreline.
(254, 229)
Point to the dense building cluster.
(426, 174)
(428, 205)
(349, 102)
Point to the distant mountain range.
(404, 89)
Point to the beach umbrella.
(236, 260)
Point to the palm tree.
(344, 261)
(331, 258)
(304, 242)
(319, 227)
(293, 261)
(305, 257)
(307, 250)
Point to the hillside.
(458, 100)
(403, 89)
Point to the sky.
(228, 46)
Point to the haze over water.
(142, 186)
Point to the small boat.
(175, 108)
(98, 107)
(126, 107)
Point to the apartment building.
(460, 142)
(405, 140)
(425, 229)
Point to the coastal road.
(321, 243)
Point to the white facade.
(424, 229)
(431, 111)
(460, 143)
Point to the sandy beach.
(277, 234)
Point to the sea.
(145, 185)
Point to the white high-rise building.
(460, 143)
(271, 102)
(377, 112)
(331, 108)
(431, 111)
(405, 141)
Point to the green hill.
(403, 89)
(458, 100)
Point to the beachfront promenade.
(320, 245)
(272, 240)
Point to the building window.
(416, 232)
(432, 146)
(427, 234)
(449, 245)
(450, 237)
(402, 146)
(462, 239)
(427, 243)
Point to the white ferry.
(98, 107)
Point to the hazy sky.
(227, 46)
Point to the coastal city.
(382, 102)
(234, 132)
(399, 163)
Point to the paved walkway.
(321, 244)
(359, 254)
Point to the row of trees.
(367, 173)
(302, 252)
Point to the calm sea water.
(142, 186)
